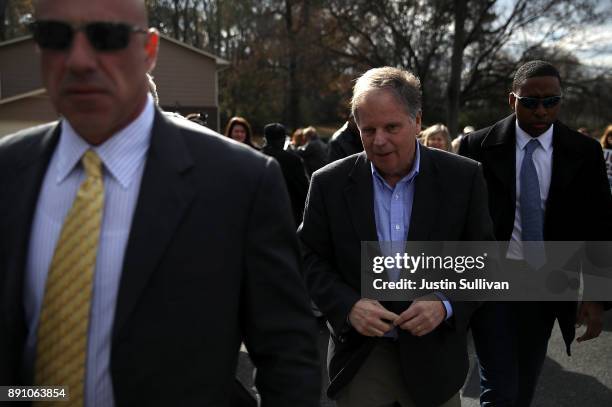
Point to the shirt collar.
(545, 139)
(414, 171)
(121, 154)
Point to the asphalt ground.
(584, 379)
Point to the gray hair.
(404, 85)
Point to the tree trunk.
(175, 20)
(454, 82)
(187, 39)
(293, 108)
(3, 6)
(217, 33)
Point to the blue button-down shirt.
(123, 157)
(393, 210)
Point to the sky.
(592, 43)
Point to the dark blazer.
(208, 263)
(314, 154)
(344, 142)
(295, 176)
(579, 206)
(449, 204)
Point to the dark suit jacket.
(295, 178)
(449, 204)
(344, 142)
(211, 260)
(314, 154)
(578, 208)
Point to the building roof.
(218, 60)
(15, 40)
(37, 92)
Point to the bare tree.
(454, 82)
(13, 15)
(3, 5)
(417, 35)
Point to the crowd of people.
(346, 141)
(511, 339)
(314, 153)
(138, 250)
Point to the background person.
(239, 129)
(457, 140)
(344, 142)
(291, 165)
(606, 138)
(313, 152)
(437, 136)
(296, 140)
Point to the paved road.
(584, 379)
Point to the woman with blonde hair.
(606, 138)
(437, 136)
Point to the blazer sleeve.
(600, 212)
(602, 197)
(464, 147)
(334, 297)
(280, 331)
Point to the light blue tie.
(532, 214)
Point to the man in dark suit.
(181, 241)
(344, 142)
(291, 165)
(313, 152)
(383, 353)
(566, 197)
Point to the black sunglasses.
(532, 103)
(103, 36)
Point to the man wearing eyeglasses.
(545, 182)
(129, 272)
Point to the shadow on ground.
(558, 387)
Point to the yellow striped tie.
(64, 318)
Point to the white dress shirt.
(542, 159)
(123, 157)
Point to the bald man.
(128, 272)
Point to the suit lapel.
(426, 199)
(165, 194)
(424, 207)
(359, 195)
(24, 190)
(499, 154)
